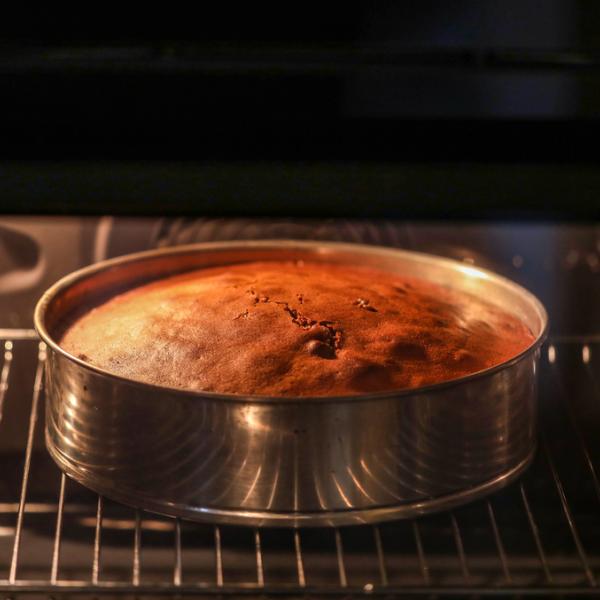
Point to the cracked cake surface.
(294, 329)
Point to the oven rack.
(540, 536)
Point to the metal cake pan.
(268, 461)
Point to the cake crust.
(295, 329)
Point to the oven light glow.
(127, 524)
(71, 400)
(255, 418)
(551, 354)
(473, 272)
(586, 354)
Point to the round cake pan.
(267, 461)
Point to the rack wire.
(540, 536)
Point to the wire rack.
(540, 536)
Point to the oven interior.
(539, 535)
(465, 129)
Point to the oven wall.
(558, 262)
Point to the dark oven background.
(422, 109)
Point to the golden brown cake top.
(295, 329)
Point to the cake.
(294, 329)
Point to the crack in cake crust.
(334, 335)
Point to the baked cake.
(294, 329)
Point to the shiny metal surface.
(286, 461)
